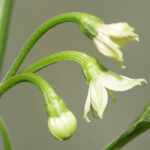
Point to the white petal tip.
(122, 66)
(137, 39)
(86, 119)
(100, 114)
(142, 80)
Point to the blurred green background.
(22, 107)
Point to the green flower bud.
(62, 127)
(61, 122)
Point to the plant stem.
(78, 57)
(5, 12)
(85, 61)
(140, 125)
(46, 90)
(5, 136)
(68, 17)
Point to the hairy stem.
(140, 125)
(5, 12)
(4, 135)
(68, 17)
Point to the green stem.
(90, 66)
(68, 17)
(140, 125)
(46, 90)
(5, 136)
(5, 12)
(78, 57)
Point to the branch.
(5, 12)
(4, 135)
(140, 125)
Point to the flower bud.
(62, 127)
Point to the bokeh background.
(22, 107)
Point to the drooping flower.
(97, 95)
(110, 38)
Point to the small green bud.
(61, 122)
(62, 127)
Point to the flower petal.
(99, 97)
(87, 106)
(117, 82)
(120, 33)
(108, 48)
(117, 30)
(110, 38)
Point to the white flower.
(111, 38)
(97, 95)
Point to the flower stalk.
(76, 17)
(42, 84)
(140, 125)
(75, 56)
(5, 12)
(4, 135)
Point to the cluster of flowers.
(108, 40)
